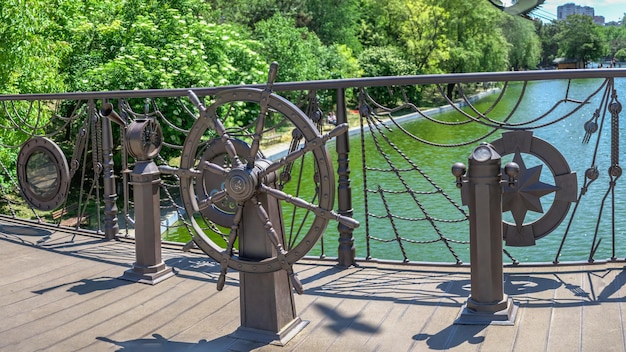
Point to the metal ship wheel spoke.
(228, 181)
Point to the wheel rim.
(190, 160)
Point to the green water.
(435, 163)
(427, 165)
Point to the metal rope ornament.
(525, 196)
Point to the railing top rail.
(341, 83)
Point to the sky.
(612, 10)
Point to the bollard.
(481, 191)
(144, 142)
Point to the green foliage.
(549, 46)
(168, 48)
(389, 61)
(421, 29)
(338, 61)
(386, 61)
(296, 49)
(524, 43)
(153, 45)
(474, 38)
(442, 36)
(620, 55)
(29, 58)
(30, 62)
(335, 22)
(579, 38)
(375, 25)
(249, 12)
(615, 37)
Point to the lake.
(426, 225)
(410, 196)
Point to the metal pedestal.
(268, 312)
(148, 267)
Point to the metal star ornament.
(526, 194)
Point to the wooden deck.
(64, 295)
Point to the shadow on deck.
(61, 292)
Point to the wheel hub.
(241, 183)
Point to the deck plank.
(565, 325)
(600, 322)
(63, 295)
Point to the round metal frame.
(565, 181)
(43, 173)
(223, 212)
(145, 139)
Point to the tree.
(389, 61)
(525, 47)
(549, 46)
(620, 55)
(615, 37)
(335, 21)
(297, 50)
(450, 36)
(29, 57)
(150, 44)
(474, 37)
(375, 24)
(249, 12)
(421, 29)
(579, 38)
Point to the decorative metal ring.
(43, 173)
(565, 182)
(320, 156)
(223, 212)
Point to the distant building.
(564, 11)
(564, 64)
(598, 20)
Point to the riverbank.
(274, 151)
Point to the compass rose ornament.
(527, 193)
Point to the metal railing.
(392, 169)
